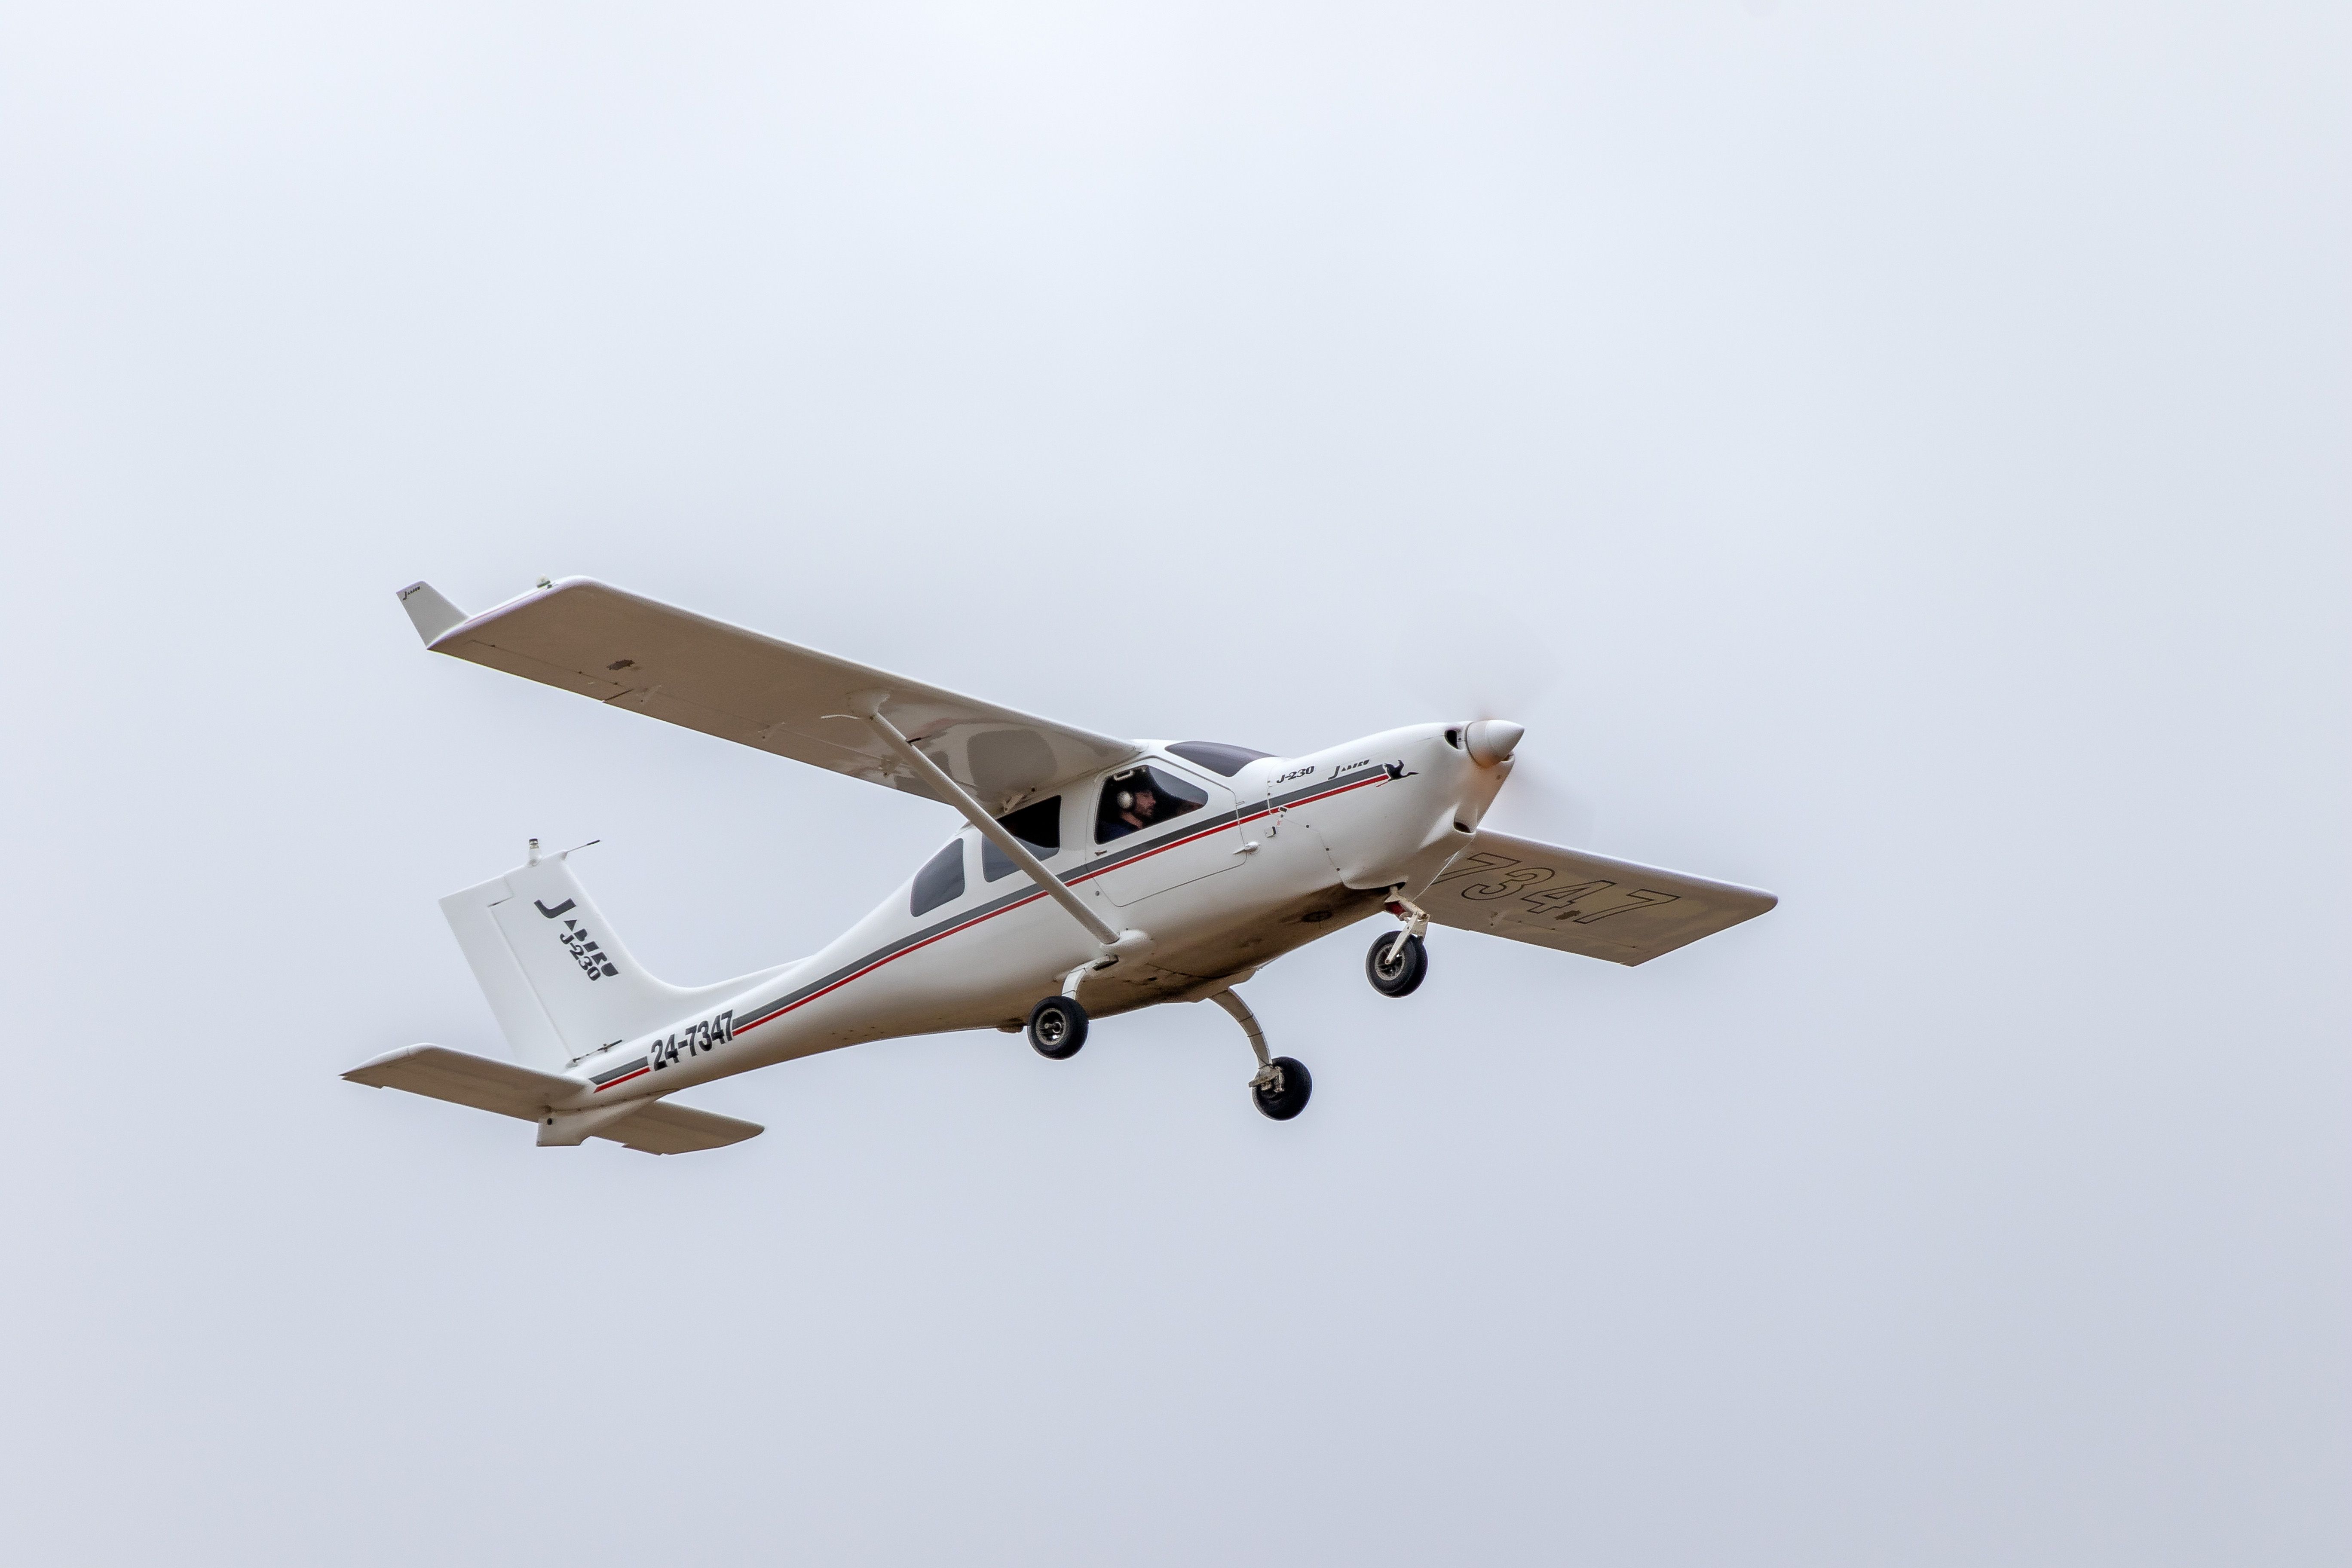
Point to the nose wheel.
(1397, 964)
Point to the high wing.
(632, 652)
(1581, 902)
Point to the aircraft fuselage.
(1285, 850)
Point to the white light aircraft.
(1097, 875)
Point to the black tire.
(1402, 978)
(1297, 1085)
(1058, 1027)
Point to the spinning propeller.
(1516, 679)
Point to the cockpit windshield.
(1216, 756)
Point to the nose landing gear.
(1397, 964)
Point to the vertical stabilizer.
(559, 981)
(529, 1030)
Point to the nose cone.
(1492, 741)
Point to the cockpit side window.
(1037, 826)
(941, 882)
(1143, 798)
(1215, 755)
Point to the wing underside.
(1583, 903)
(635, 653)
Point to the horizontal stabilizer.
(525, 1094)
(665, 1127)
(440, 1073)
(635, 653)
(1582, 903)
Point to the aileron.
(1580, 902)
(700, 674)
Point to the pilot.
(1138, 807)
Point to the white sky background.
(1894, 459)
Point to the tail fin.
(558, 980)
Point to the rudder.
(560, 983)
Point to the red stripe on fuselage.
(861, 973)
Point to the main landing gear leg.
(1283, 1083)
(1057, 1025)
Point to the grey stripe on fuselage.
(1326, 787)
(766, 1011)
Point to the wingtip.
(430, 613)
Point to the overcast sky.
(1896, 459)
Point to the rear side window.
(1038, 826)
(941, 882)
(1215, 755)
(1141, 798)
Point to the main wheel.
(1401, 977)
(1287, 1101)
(1058, 1027)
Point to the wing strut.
(956, 796)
